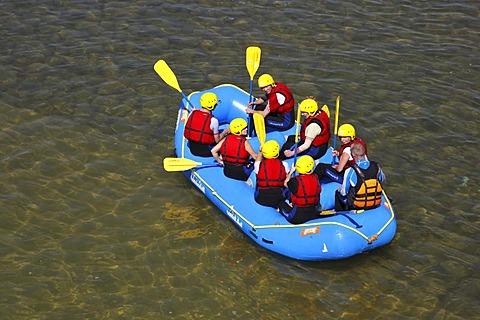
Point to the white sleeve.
(348, 151)
(256, 166)
(280, 98)
(214, 125)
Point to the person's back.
(361, 187)
(199, 133)
(235, 152)
(271, 173)
(304, 193)
(367, 192)
(201, 129)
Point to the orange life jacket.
(367, 193)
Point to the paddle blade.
(179, 164)
(259, 123)
(167, 75)
(253, 60)
(337, 112)
(326, 110)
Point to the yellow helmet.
(309, 106)
(305, 165)
(346, 130)
(271, 149)
(209, 100)
(237, 125)
(265, 80)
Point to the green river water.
(94, 228)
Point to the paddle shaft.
(249, 130)
(166, 74)
(335, 131)
(181, 167)
(299, 114)
(188, 100)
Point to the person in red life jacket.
(277, 106)
(271, 173)
(346, 133)
(304, 192)
(201, 129)
(235, 152)
(362, 185)
(315, 132)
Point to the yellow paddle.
(253, 63)
(182, 164)
(326, 110)
(259, 123)
(335, 130)
(167, 75)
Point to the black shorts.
(270, 197)
(200, 149)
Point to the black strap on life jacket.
(368, 190)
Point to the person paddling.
(271, 173)
(304, 192)
(201, 129)
(236, 152)
(362, 186)
(335, 172)
(277, 106)
(315, 132)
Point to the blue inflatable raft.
(340, 236)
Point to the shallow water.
(94, 228)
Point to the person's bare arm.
(259, 155)
(250, 150)
(342, 162)
(289, 176)
(215, 151)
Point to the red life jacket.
(323, 121)
(198, 129)
(233, 150)
(352, 161)
(271, 173)
(274, 105)
(308, 192)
